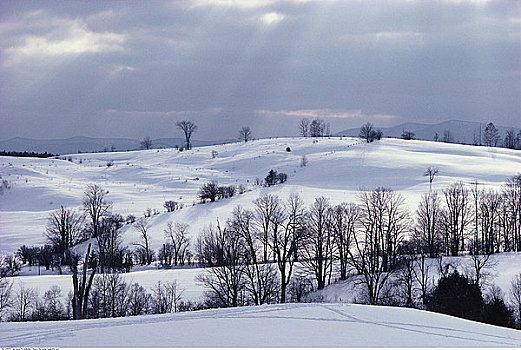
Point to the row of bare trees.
(470, 218)
(109, 296)
(251, 258)
(243, 254)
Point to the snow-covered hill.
(337, 168)
(290, 325)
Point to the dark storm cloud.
(130, 68)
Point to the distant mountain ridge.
(461, 131)
(85, 144)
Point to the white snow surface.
(289, 325)
(337, 168)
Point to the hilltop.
(337, 168)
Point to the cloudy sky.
(134, 68)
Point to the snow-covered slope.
(337, 168)
(308, 325)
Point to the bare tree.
(95, 206)
(24, 302)
(512, 214)
(481, 263)
(159, 299)
(178, 235)
(173, 296)
(366, 132)
(431, 173)
(53, 306)
(510, 139)
(142, 227)
(344, 217)
(285, 241)
(369, 134)
(303, 127)
(490, 211)
(268, 212)
(491, 135)
(456, 217)
(146, 143)
(225, 280)
(188, 127)
(299, 286)
(383, 221)
(318, 249)
(109, 241)
(5, 295)
(64, 229)
(109, 296)
(245, 134)
(476, 245)
(427, 229)
(406, 277)
(421, 275)
(261, 277)
(81, 287)
(138, 302)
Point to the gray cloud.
(120, 69)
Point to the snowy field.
(337, 168)
(290, 325)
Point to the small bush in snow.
(274, 178)
(209, 191)
(130, 219)
(171, 206)
(226, 191)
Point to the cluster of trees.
(460, 296)
(492, 138)
(407, 135)
(316, 128)
(212, 191)
(251, 257)
(369, 133)
(109, 296)
(467, 217)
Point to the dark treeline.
(27, 154)
(281, 249)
